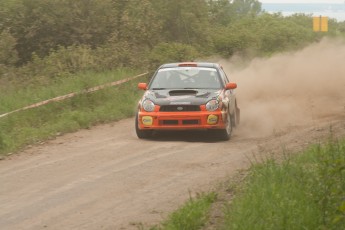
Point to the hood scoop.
(158, 95)
(204, 94)
(183, 92)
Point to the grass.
(303, 192)
(15, 95)
(192, 215)
(34, 125)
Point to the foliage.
(264, 35)
(242, 8)
(305, 191)
(40, 26)
(35, 34)
(8, 54)
(172, 52)
(191, 216)
(341, 28)
(283, 34)
(140, 23)
(225, 12)
(229, 43)
(60, 62)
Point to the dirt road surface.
(106, 178)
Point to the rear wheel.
(142, 134)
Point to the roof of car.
(191, 64)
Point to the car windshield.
(186, 78)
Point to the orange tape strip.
(60, 98)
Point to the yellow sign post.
(320, 24)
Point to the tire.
(238, 116)
(142, 134)
(235, 118)
(225, 134)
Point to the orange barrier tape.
(60, 98)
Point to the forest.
(48, 39)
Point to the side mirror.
(231, 85)
(142, 86)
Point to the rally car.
(188, 96)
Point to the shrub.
(172, 52)
(8, 54)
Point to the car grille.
(190, 122)
(179, 108)
(170, 122)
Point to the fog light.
(147, 120)
(212, 119)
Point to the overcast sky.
(302, 1)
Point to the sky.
(302, 1)
(317, 7)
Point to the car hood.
(182, 96)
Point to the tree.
(139, 24)
(238, 37)
(40, 26)
(242, 8)
(172, 52)
(8, 54)
(225, 12)
(184, 21)
(219, 12)
(278, 33)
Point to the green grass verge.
(17, 94)
(30, 126)
(303, 192)
(192, 215)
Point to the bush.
(264, 35)
(114, 55)
(8, 53)
(172, 52)
(62, 61)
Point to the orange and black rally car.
(188, 95)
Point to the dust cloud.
(291, 89)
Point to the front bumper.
(181, 120)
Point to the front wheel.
(142, 134)
(225, 134)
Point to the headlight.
(148, 106)
(212, 105)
